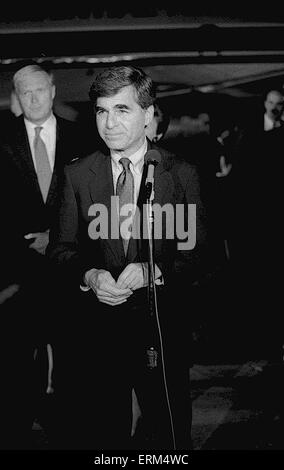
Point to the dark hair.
(163, 119)
(110, 81)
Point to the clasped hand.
(113, 292)
(40, 242)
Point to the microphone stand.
(154, 392)
(152, 354)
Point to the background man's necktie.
(125, 191)
(43, 169)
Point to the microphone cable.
(151, 280)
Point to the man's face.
(121, 121)
(35, 95)
(274, 105)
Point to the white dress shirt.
(136, 168)
(269, 123)
(48, 135)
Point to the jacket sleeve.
(193, 262)
(63, 240)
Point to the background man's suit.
(15, 145)
(27, 323)
(108, 344)
(255, 183)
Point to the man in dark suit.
(108, 328)
(34, 150)
(254, 238)
(35, 92)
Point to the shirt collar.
(47, 125)
(137, 159)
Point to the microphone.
(151, 159)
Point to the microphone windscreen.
(152, 156)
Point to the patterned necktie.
(125, 191)
(43, 168)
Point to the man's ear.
(149, 114)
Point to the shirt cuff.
(85, 288)
(159, 280)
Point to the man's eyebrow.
(122, 106)
(117, 106)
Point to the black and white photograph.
(141, 149)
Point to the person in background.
(274, 107)
(157, 128)
(34, 149)
(255, 236)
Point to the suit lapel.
(160, 183)
(101, 188)
(24, 159)
(160, 177)
(58, 163)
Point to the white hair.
(23, 72)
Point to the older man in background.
(36, 146)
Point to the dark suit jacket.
(24, 210)
(112, 341)
(35, 215)
(89, 182)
